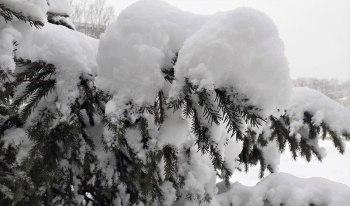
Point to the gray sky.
(315, 32)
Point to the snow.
(7, 37)
(200, 176)
(272, 155)
(169, 193)
(60, 46)
(321, 183)
(240, 49)
(17, 138)
(72, 53)
(288, 189)
(34, 9)
(323, 108)
(334, 166)
(138, 45)
(61, 7)
(174, 130)
(134, 139)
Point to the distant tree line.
(333, 88)
(91, 17)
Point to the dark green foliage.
(56, 141)
(210, 113)
(58, 19)
(169, 73)
(280, 131)
(9, 14)
(251, 154)
(158, 109)
(170, 160)
(38, 77)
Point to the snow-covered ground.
(335, 167)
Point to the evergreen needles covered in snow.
(154, 112)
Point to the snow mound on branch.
(240, 49)
(138, 45)
(322, 107)
(72, 53)
(60, 46)
(288, 189)
(61, 7)
(34, 9)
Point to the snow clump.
(240, 49)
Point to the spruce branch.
(88, 100)
(211, 114)
(7, 87)
(314, 130)
(33, 94)
(231, 116)
(37, 76)
(33, 71)
(143, 127)
(11, 122)
(9, 15)
(158, 109)
(279, 132)
(169, 73)
(170, 159)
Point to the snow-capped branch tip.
(9, 15)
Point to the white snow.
(60, 46)
(134, 138)
(288, 189)
(7, 37)
(61, 7)
(34, 9)
(323, 108)
(169, 193)
(240, 49)
(17, 138)
(174, 130)
(200, 176)
(334, 166)
(72, 53)
(138, 45)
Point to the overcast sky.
(315, 32)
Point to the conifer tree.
(63, 165)
(57, 16)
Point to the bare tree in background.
(92, 16)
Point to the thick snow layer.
(288, 189)
(72, 53)
(60, 46)
(138, 45)
(322, 107)
(60, 7)
(34, 9)
(240, 49)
